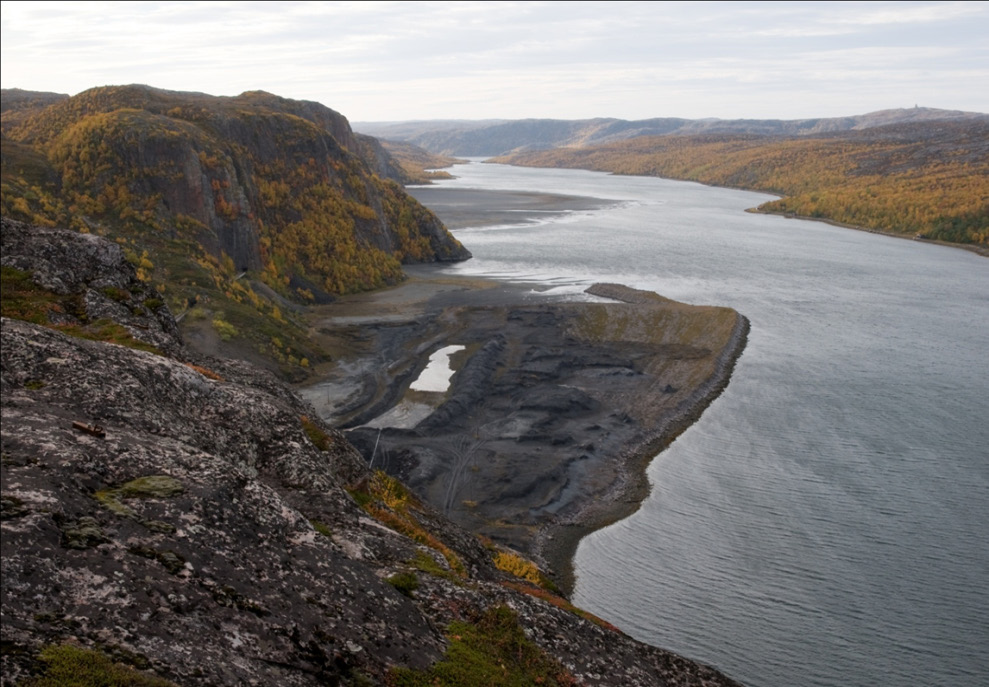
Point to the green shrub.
(226, 330)
(404, 582)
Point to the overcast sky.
(387, 61)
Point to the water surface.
(824, 523)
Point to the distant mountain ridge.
(499, 137)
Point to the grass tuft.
(317, 436)
(322, 528)
(71, 666)
(491, 651)
(389, 502)
(404, 582)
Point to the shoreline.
(562, 490)
(557, 543)
(971, 248)
(463, 208)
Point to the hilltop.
(919, 172)
(236, 208)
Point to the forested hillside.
(201, 189)
(929, 179)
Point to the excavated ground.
(554, 408)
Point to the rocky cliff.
(280, 187)
(174, 519)
(236, 209)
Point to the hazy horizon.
(406, 61)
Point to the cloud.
(388, 60)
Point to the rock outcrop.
(270, 183)
(192, 518)
(90, 281)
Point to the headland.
(554, 410)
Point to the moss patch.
(317, 436)
(491, 651)
(322, 528)
(70, 666)
(152, 486)
(108, 331)
(423, 562)
(404, 582)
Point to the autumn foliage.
(927, 178)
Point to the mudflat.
(459, 208)
(554, 408)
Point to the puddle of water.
(436, 376)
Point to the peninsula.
(555, 406)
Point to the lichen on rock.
(204, 539)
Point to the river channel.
(825, 522)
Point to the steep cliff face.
(185, 520)
(278, 186)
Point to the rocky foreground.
(184, 520)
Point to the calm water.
(825, 523)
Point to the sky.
(394, 61)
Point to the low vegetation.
(405, 582)
(22, 299)
(228, 206)
(489, 651)
(390, 503)
(67, 665)
(317, 436)
(551, 597)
